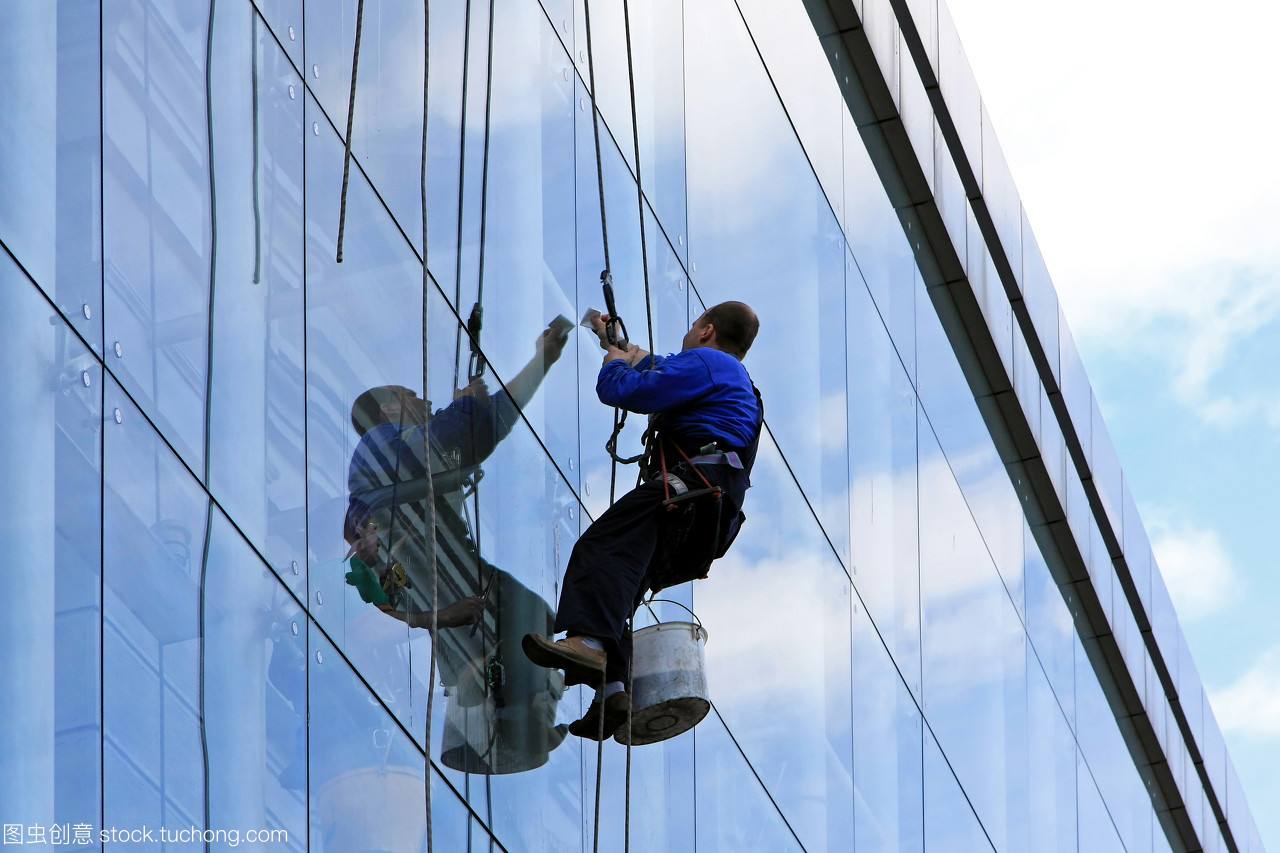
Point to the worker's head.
(387, 404)
(730, 327)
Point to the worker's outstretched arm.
(547, 350)
(653, 385)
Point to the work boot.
(616, 708)
(581, 663)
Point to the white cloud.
(1137, 136)
(1196, 567)
(1251, 705)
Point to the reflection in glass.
(202, 654)
(50, 529)
(949, 824)
(974, 680)
(50, 137)
(367, 777)
(884, 537)
(887, 728)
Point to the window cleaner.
(685, 513)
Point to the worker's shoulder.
(722, 366)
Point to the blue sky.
(1142, 139)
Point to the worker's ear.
(708, 333)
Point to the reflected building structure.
(941, 625)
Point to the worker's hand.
(475, 388)
(463, 612)
(598, 324)
(550, 345)
(612, 353)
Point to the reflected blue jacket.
(703, 394)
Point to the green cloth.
(366, 582)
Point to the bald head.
(732, 327)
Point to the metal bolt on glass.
(86, 311)
(315, 71)
(293, 35)
(293, 566)
(293, 628)
(293, 93)
(319, 597)
(319, 656)
(85, 378)
(117, 349)
(118, 415)
(572, 464)
(586, 488)
(315, 128)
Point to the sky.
(1142, 137)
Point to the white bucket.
(669, 683)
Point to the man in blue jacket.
(707, 427)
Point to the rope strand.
(351, 114)
(426, 425)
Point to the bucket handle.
(677, 604)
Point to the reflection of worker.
(388, 470)
(704, 439)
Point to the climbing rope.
(351, 115)
(616, 335)
(426, 363)
(462, 184)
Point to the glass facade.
(190, 516)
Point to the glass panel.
(734, 812)
(285, 19)
(155, 527)
(50, 530)
(526, 270)
(954, 415)
(49, 153)
(254, 688)
(883, 254)
(386, 137)
(798, 67)
(1096, 831)
(1105, 749)
(887, 729)
(162, 146)
(1051, 769)
(364, 339)
(974, 678)
(762, 231)
(595, 421)
(949, 821)
(367, 787)
(1049, 626)
(256, 449)
(801, 748)
(500, 722)
(202, 658)
(882, 461)
(657, 44)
